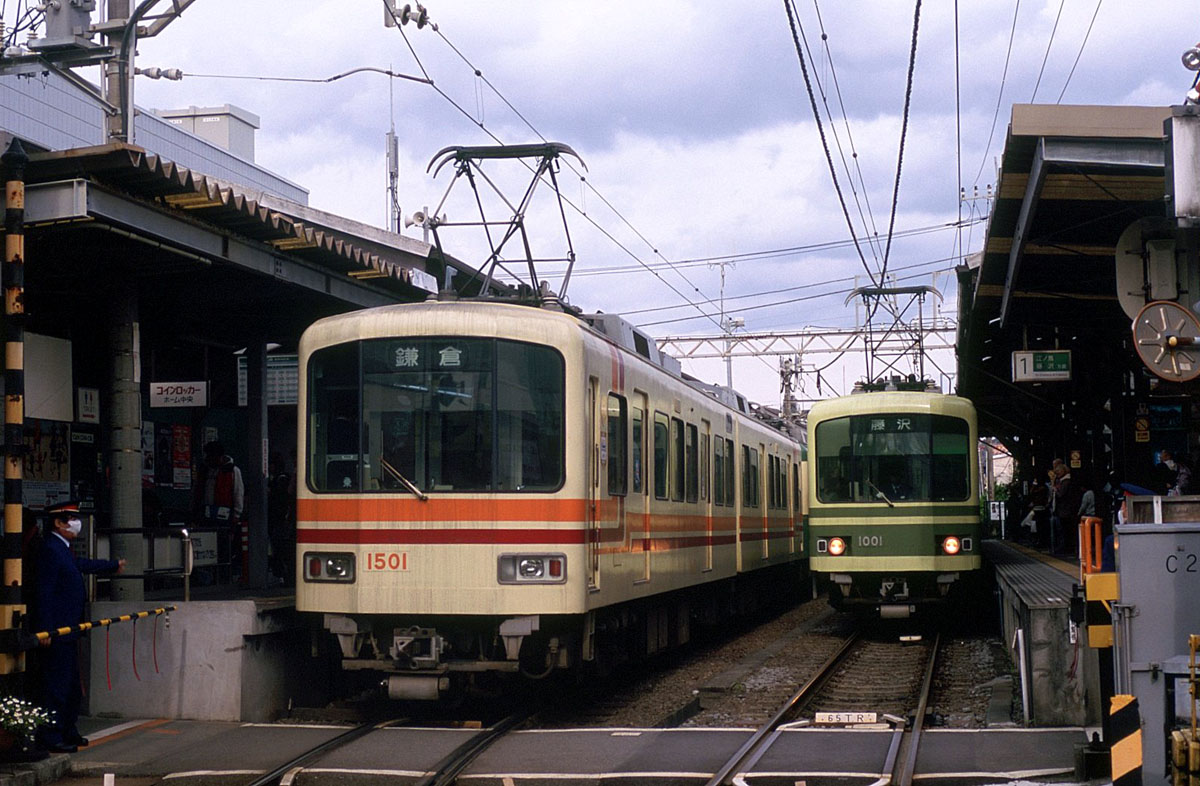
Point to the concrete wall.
(1064, 685)
(217, 660)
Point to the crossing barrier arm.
(23, 640)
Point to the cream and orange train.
(489, 488)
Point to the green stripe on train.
(882, 510)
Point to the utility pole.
(726, 327)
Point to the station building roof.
(1071, 179)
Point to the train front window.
(436, 414)
(893, 457)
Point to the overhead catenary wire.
(789, 301)
(1046, 56)
(608, 235)
(1078, 55)
(793, 15)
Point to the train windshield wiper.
(408, 484)
(877, 491)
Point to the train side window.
(771, 491)
(677, 459)
(690, 444)
(661, 453)
(638, 439)
(796, 487)
(749, 477)
(704, 463)
(718, 471)
(730, 473)
(618, 478)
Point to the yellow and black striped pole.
(12, 610)
(1126, 724)
(47, 635)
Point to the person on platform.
(61, 599)
(224, 494)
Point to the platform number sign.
(1052, 365)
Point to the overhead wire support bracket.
(468, 161)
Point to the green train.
(893, 514)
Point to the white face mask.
(1170, 463)
(74, 526)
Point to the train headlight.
(335, 567)
(532, 569)
(837, 547)
(951, 545)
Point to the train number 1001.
(387, 560)
(870, 540)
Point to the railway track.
(840, 683)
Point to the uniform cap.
(63, 509)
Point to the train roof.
(892, 401)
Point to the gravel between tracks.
(671, 685)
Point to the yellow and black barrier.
(28, 641)
(1126, 727)
(1101, 590)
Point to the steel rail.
(904, 777)
(757, 741)
(286, 772)
(446, 770)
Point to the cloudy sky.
(695, 125)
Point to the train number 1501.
(387, 560)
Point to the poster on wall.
(181, 456)
(47, 463)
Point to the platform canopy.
(1071, 180)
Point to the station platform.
(1058, 674)
(227, 654)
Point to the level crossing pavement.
(205, 753)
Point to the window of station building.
(618, 477)
(750, 481)
(704, 477)
(436, 414)
(661, 454)
(730, 473)
(677, 460)
(690, 445)
(638, 444)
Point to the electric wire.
(570, 165)
(1080, 53)
(770, 254)
(565, 199)
(999, 95)
(1046, 57)
(314, 80)
(789, 301)
(912, 64)
(798, 287)
(867, 218)
(793, 15)
(958, 132)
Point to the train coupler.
(417, 648)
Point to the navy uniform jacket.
(61, 595)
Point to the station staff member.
(61, 598)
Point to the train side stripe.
(352, 537)
(900, 511)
